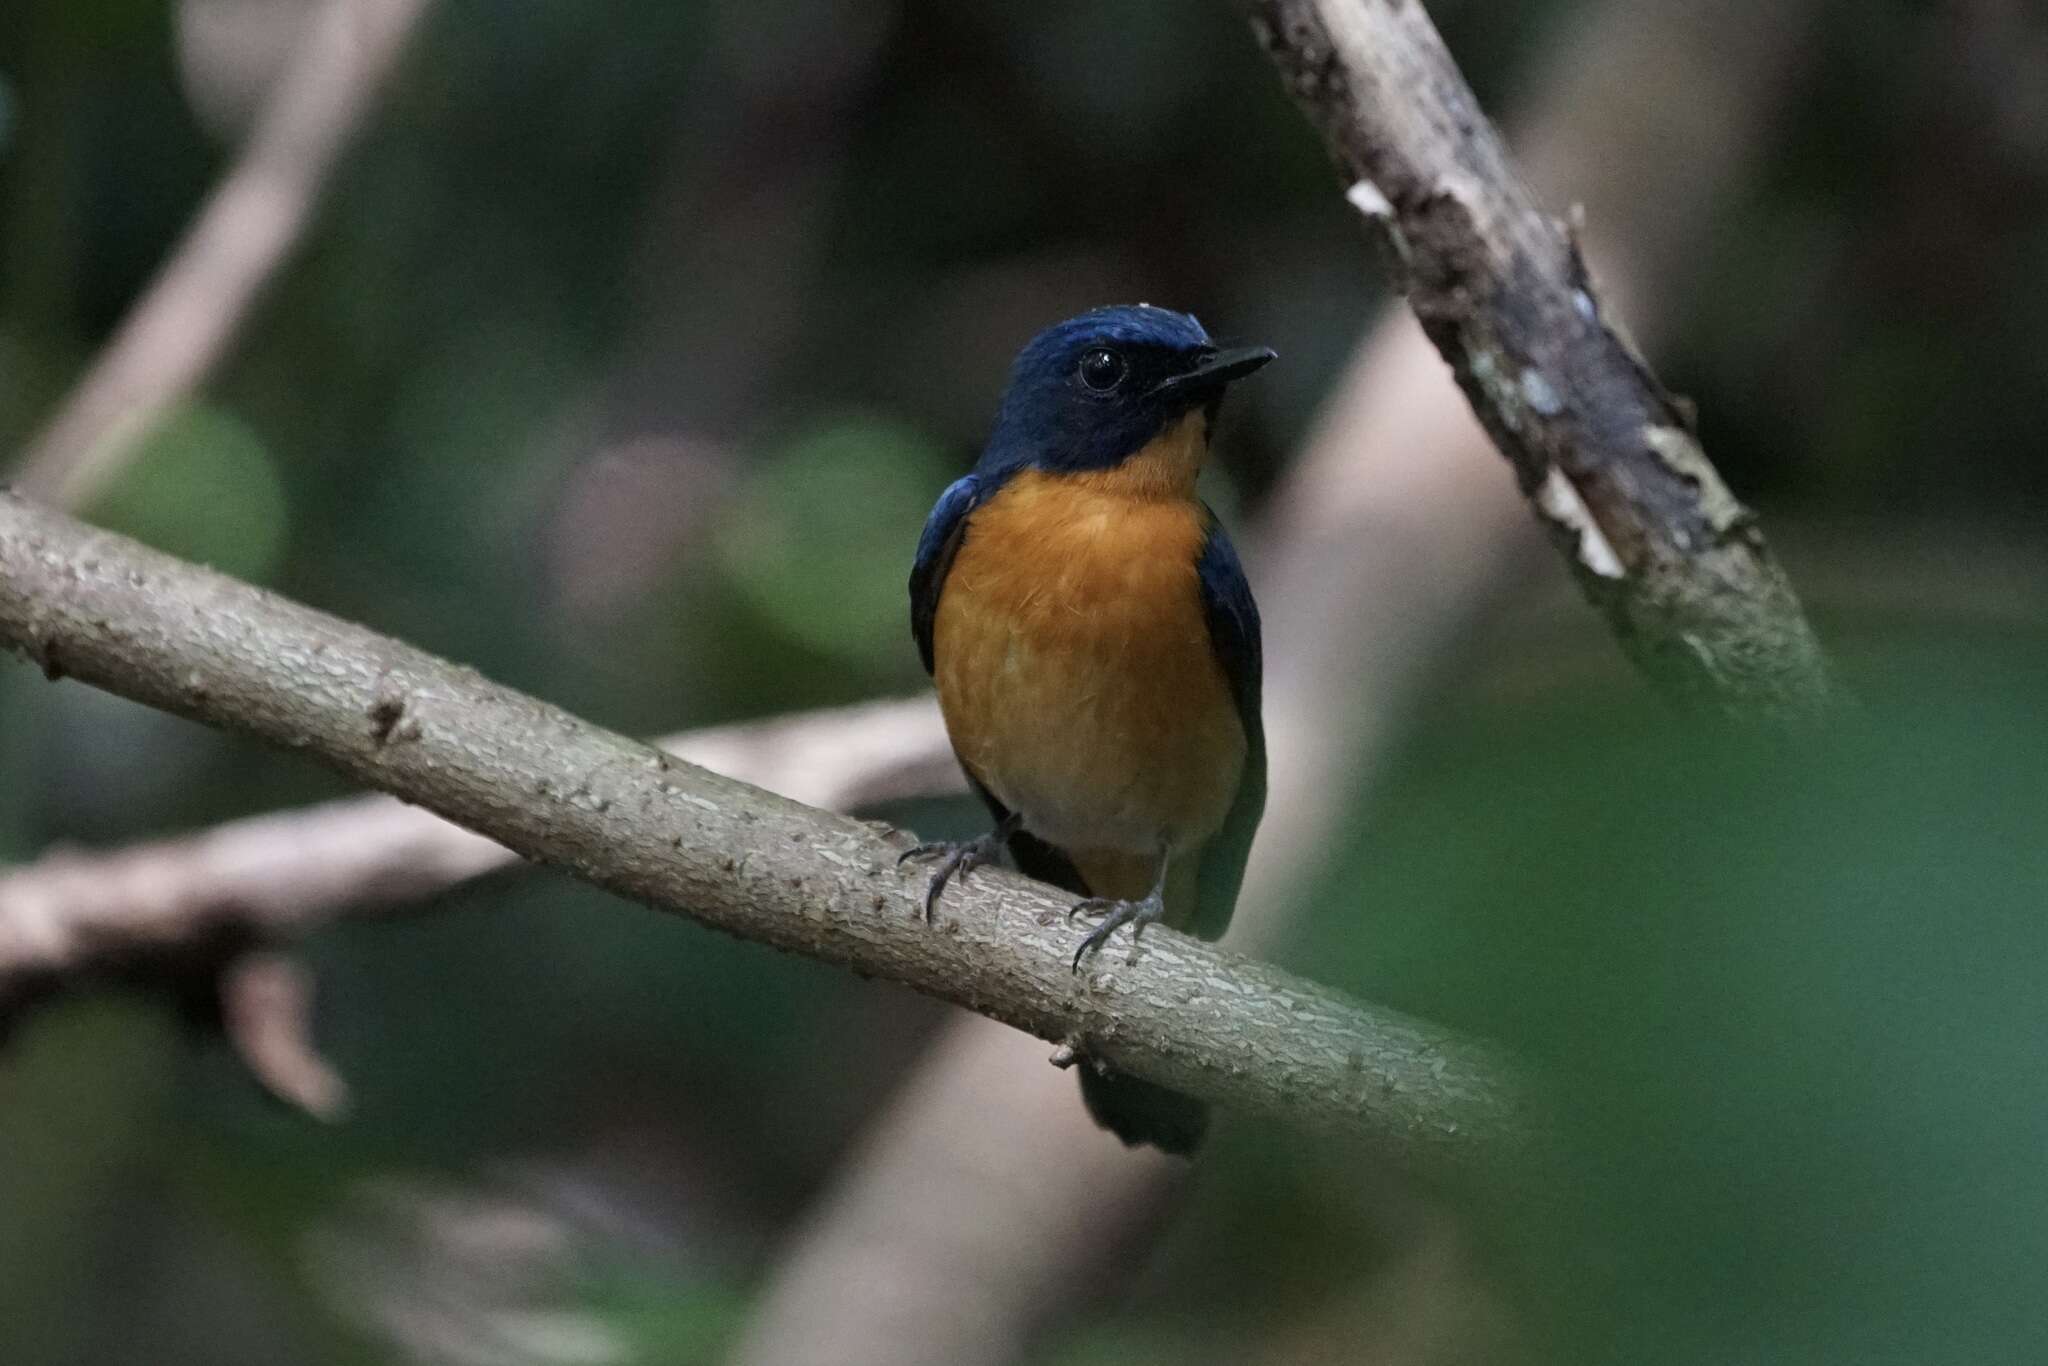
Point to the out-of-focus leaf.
(1786, 997)
(92, 26)
(83, 1100)
(202, 487)
(821, 538)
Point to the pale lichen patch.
(1680, 453)
(1372, 201)
(1369, 200)
(1540, 394)
(1504, 394)
(1561, 503)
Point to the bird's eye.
(1102, 370)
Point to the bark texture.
(283, 874)
(1608, 458)
(625, 816)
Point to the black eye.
(1102, 370)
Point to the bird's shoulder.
(936, 547)
(1232, 614)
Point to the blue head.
(1089, 393)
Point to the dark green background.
(629, 348)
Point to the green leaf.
(203, 487)
(824, 532)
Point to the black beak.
(1217, 369)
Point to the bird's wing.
(935, 551)
(1234, 634)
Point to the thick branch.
(626, 817)
(282, 874)
(1608, 458)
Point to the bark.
(281, 875)
(1608, 458)
(624, 816)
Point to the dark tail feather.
(1135, 1110)
(1139, 1111)
(1037, 859)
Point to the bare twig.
(283, 874)
(618, 813)
(1606, 456)
(267, 1007)
(183, 324)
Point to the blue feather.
(1048, 421)
(936, 547)
(1234, 634)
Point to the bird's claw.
(1115, 915)
(1094, 905)
(961, 858)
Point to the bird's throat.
(1165, 467)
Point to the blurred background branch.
(1605, 454)
(192, 312)
(283, 875)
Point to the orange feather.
(1075, 671)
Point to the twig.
(280, 875)
(267, 1009)
(177, 332)
(620, 814)
(1607, 457)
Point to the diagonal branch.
(628, 818)
(179, 329)
(283, 874)
(1608, 458)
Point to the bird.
(1095, 647)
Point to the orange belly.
(1074, 667)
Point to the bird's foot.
(960, 857)
(1116, 914)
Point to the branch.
(266, 1009)
(943, 1242)
(1607, 457)
(619, 814)
(182, 325)
(283, 874)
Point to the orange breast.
(1075, 671)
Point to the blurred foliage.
(1783, 994)
(801, 561)
(623, 361)
(201, 486)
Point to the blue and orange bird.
(1096, 649)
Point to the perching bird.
(1096, 649)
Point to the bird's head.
(1094, 391)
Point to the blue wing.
(1234, 634)
(935, 551)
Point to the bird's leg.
(961, 857)
(1116, 913)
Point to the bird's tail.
(1135, 1110)
(1139, 1111)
